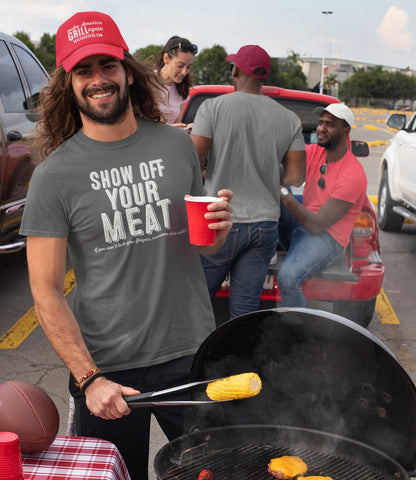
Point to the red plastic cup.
(196, 208)
(10, 458)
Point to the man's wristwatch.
(284, 192)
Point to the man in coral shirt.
(334, 192)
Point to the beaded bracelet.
(87, 375)
(89, 380)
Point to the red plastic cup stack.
(10, 458)
(196, 208)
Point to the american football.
(30, 413)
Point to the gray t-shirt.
(141, 296)
(250, 136)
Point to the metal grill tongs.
(145, 399)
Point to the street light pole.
(321, 85)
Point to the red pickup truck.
(348, 287)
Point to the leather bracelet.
(89, 380)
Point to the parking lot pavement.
(370, 126)
(35, 361)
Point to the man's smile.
(98, 93)
(98, 96)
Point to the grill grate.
(249, 462)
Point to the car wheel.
(388, 220)
(359, 312)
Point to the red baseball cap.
(249, 58)
(85, 34)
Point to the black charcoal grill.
(333, 394)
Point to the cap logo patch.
(86, 30)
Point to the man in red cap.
(111, 191)
(248, 140)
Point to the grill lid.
(319, 371)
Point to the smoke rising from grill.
(319, 372)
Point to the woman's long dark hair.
(59, 115)
(186, 84)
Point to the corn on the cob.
(235, 387)
(287, 467)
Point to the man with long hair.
(111, 192)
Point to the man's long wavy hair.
(59, 114)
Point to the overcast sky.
(372, 31)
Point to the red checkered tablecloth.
(72, 458)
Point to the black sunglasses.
(185, 48)
(232, 65)
(322, 169)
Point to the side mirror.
(359, 148)
(397, 121)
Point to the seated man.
(335, 189)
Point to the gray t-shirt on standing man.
(250, 136)
(141, 296)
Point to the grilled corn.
(235, 387)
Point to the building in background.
(337, 71)
(340, 69)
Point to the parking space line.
(20, 330)
(26, 324)
(373, 199)
(385, 311)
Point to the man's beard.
(330, 143)
(107, 116)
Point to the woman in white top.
(173, 65)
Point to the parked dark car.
(348, 287)
(21, 78)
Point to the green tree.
(25, 38)
(211, 67)
(377, 87)
(293, 61)
(330, 82)
(290, 75)
(148, 53)
(357, 89)
(46, 52)
(276, 76)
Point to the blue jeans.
(246, 255)
(308, 254)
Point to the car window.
(194, 103)
(303, 108)
(33, 72)
(412, 125)
(11, 89)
